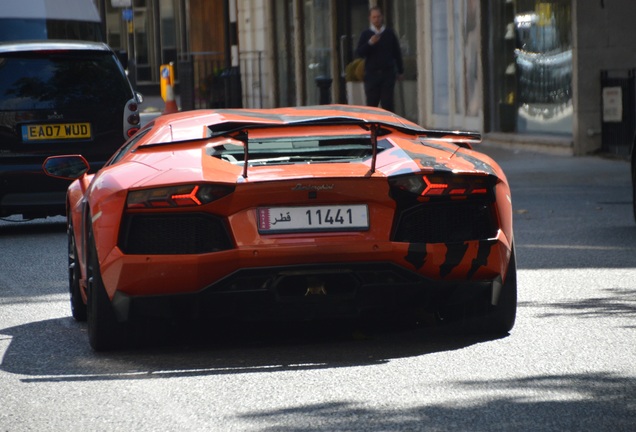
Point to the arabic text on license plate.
(353, 217)
(56, 131)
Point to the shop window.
(404, 22)
(284, 12)
(439, 32)
(455, 70)
(168, 31)
(317, 46)
(537, 67)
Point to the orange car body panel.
(280, 185)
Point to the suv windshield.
(60, 79)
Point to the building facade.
(526, 72)
(156, 32)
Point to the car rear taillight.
(436, 185)
(132, 131)
(176, 196)
(133, 119)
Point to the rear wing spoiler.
(239, 130)
(459, 138)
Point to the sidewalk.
(154, 103)
(554, 145)
(152, 107)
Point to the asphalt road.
(568, 365)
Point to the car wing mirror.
(70, 167)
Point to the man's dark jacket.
(384, 55)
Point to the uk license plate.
(56, 131)
(353, 217)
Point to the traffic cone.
(171, 103)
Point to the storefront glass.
(404, 22)
(284, 12)
(439, 32)
(468, 96)
(455, 65)
(317, 46)
(168, 31)
(116, 27)
(150, 38)
(535, 66)
(143, 36)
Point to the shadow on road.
(577, 402)
(17, 227)
(615, 302)
(58, 349)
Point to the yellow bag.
(355, 70)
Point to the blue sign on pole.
(127, 14)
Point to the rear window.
(15, 29)
(61, 79)
(299, 149)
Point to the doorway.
(351, 19)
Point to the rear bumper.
(310, 292)
(146, 275)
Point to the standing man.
(380, 48)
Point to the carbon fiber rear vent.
(446, 222)
(178, 233)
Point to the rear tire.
(481, 317)
(78, 307)
(633, 168)
(104, 332)
(502, 316)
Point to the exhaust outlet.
(315, 286)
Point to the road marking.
(575, 247)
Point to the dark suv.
(57, 98)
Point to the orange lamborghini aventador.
(291, 213)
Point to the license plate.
(353, 217)
(56, 131)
